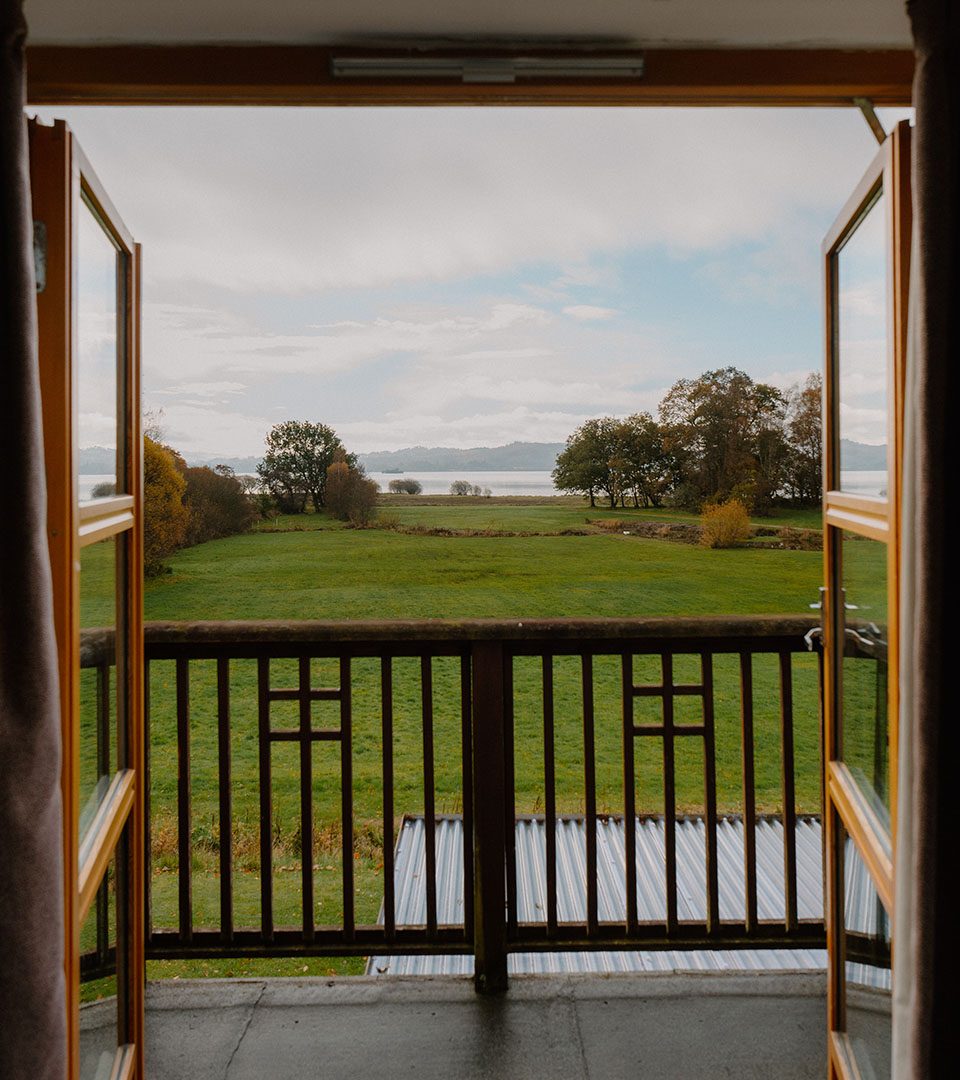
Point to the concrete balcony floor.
(687, 1026)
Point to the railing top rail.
(204, 638)
(433, 630)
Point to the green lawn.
(356, 574)
(325, 571)
(523, 514)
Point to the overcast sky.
(465, 277)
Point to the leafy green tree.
(294, 468)
(648, 466)
(590, 462)
(727, 432)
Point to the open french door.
(88, 307)
(866, 261)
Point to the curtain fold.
(32, 1013)
(926, 1029)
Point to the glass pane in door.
(864, 724)
(99, 1018)
(99, 646)
(97, 383)
(862, 340)
(867, 970)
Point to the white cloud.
(589, 312)
(528, 218)
(197, 427)
(784, 380)
(297, 200)
(205, 389)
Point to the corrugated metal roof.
(611, 859)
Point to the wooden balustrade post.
(489, 819)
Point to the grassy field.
(528, 514)
(321, 570)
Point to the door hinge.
(40, 254)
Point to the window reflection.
(96, 358)
(98, 675)
(862, 354)
(99, 1030)
(867, 969)
(865, 723)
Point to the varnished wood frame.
(60, 178)
(846, 810)
(300, 75)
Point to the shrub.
(461, 487)
(724, 525)
(217, 503)
(350, 496)
(338, 489)
(103, 489)
(362, 505)
(405, 486)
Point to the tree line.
(717, 437)
(185, 505)
(304, 463)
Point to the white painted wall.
(797, 23)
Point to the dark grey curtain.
(932, 1030)
(32, 1016)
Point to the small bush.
(405, 486)
(350, 495)
(725, 525)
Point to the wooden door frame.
(60, 177)
(300, 75)
(846, 811)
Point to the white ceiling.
(757, 23)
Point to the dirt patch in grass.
(443, 530)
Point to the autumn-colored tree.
(350, 495)
(165, 518)
(217, 504)
(805, 434)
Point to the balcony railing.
(491, 720)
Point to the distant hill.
(97, 459)
(862, 457)
(534, 456)
(516, 455)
